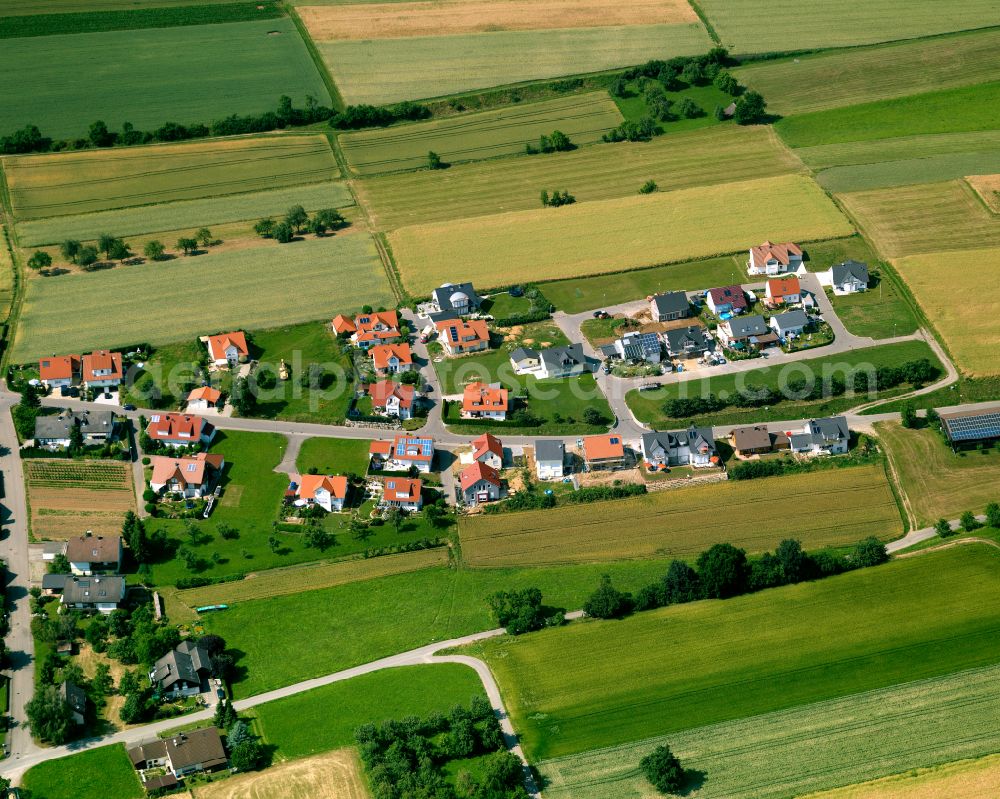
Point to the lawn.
(74, 777)
(326, 718)
(967, 108)
(681, 161)
(191, 214)
(263, 287)
(969, 334)
(964, 779)
(690, 665)
(860, 177)
(937, 482)
(616, 235)
(831, 80)
(760, 26)
(881, 312)
(485, 134)
(811, 747)
(334, 455)
(64, 184)
(150, 76)
(67, 498)
(388, 70)
(673, 522)
(648, 405)
(167, 373)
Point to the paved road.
(923, 534)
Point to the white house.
(203, 398)
(329, 491)
(62, 370)
(459, 298)
(829, 436)
(789, 324)
(102, 594)
(102, 369)
(227, 349)
(692, 447)
(392, 399)
(479, 483)
(848, 277)
(390, 359)
(481, 401)
(402, 493)
(774, 259)
(726, 299)
(191, 476)
(551, 363)
(403, 452)
(636, 346)
(94, 553)
(550, 459)
(488, 449)
(746, 330)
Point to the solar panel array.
(971, 428)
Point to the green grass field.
(485, 134)
(761, 26)
(68, 6)
(691, 665)
(648, 405)
(881, 312)
(968, 108)
(388, 70)
(672, 522)
(935, 169)
(183, 214)
(264, 287)
(900, 148)
(832, 80)
(194, 74)
(325, 718)
(616, 235)
(808, 748)
(334, 455)
(73, 777)
(680, 161)
(101, 180)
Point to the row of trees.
(557, 198)
(555, 142)
(246, 751)
(968, 522)
(115, 248)
(296, 221)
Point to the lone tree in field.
(118, 251)
(518, 611)
(297, 218)
(70, 249)
(283, 233)
(750, 108)
(434, 160)
(39, 260)
(105, 243)
(264, 228)
(187, 245)
(968, 521)
(662, 768)
(154, 250)
(87, 256)
(204, 235)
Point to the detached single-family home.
(692, 447)
(102, 594)
(402, 493)
(790, 324)
(183, 671)
(669, 306)
(179, 429)
(783, 291)
(459, 337)
(479, 483)
(103, 369)
(481, 401)
(390, 359)
(203, 398)
(525, 361)
(76, 699)
(403, 452)
(848, 277)
(392, 399)
(329, 491)
(488, 449)
(636, 346)
(381, 327)
(554, 362)
(742, 331)
(191, 476)
(459, 298)
(687, 342)
(829, 436)
(726, 299)
(181, 754)
(62, 370)
(54, 432)
(228, 349)
(550, 459)
(606, 451)
(774, 259)
(756, 440)
(88, 554)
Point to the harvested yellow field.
(944, 284)
(295, 579)
(68, 498)
(399, 20)
(333, 775)
(929, 217)
(965, 779)
(988, 188)
(845, 505)
(616, 235)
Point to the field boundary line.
(709, 28)
(336, 100)
(902, 500)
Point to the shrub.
(663, 770)
(607, 602)
(869, 552)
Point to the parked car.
(602, 315)
(129, 406)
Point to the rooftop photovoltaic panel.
(971, 428)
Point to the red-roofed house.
(774, 259)
(342, 325)
(390, 359)
(391, 399)
(403, 452)
(61, 370)
(488, 449)
(726, 299)
(402, 493)
(179, 429)
(102, 369)
(480, 401)
(190, 475)
(459, 337)
(203, 398)
(604, 452)
(381, 327)
(326, 490)
(479, 483)
(783, 291)
(226, 349)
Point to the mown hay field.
(183, 214)
(334, 775)
(68, 498)
(687, 666)
(276, 582)
(760, 26)
(908, 171)
(832, 80)
(929, 217)
(970, 330)
(263, 287)
(487, 134)
(389, 70)
(399, 20)
(149, 76)
(812, 747)
(672, 523)
(899, 148)
(6, 275)
(616, 235)
(988, 189)
(964, 779)
(684, 160)
(100, 180)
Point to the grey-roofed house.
(636, 346)
(460, 298)
(74, 696)
(94, 553)
(182, 670)
(181, 754)
(827, 436)
(669, 306)
(848, 277)
(550, 459)
(790, 324)
(741, 331)
(102, 594)
(53, 584)
(687, 342)
(553, 362)
(53, 432)
(692, 447)
(525, 360)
